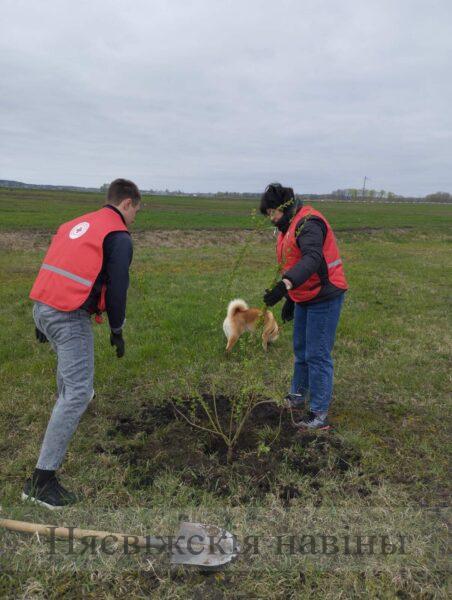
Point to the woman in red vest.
(313, 284)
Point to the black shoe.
(52, 495)
(313, 420)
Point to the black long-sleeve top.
(117, 256)
(310, 241)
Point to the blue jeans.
(313, 340)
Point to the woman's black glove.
(273, 296)
(117, 340)
(40, 336)
(287, 310)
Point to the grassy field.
(37, 210)
(139, 466)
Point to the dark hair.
(121, 189)
(276, 196)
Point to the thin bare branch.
(196, 424)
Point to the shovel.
(208, 547)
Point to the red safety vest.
(288, 254)
(74, 260)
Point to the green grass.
(45, 210)
(391, 407)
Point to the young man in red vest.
(85, 272)
(313, 283)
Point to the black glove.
(117, 340)
(287, 310)
(40, 336)
(271, 297)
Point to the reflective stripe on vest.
(334, 263)
(67, 274)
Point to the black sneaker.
(294, 401)
(314, 420)
(52, 494)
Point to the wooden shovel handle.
(76, 533)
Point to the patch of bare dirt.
(372, 230)
(190, 238)
(174, 238)
(24, 240)
(156, 439)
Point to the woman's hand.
(277, 293)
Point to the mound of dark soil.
(158, 438)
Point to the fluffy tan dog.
(241, 318)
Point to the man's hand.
(287, 311)
(40, 336)
(271, 297)
(117, 340)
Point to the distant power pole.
(364, 184)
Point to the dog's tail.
(235, 306)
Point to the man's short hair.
(121, 189)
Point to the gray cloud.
(206, 95)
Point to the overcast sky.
(207, 95)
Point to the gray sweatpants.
(71, 336)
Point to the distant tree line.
(347, 194)
(355, 194)
(439, 197)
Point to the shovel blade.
(207, 547)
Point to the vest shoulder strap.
(301, 222)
